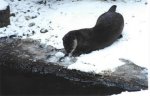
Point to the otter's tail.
(112, 8)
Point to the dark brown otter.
(107, 30)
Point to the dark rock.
(24, 71)
(33, 17)
(43, 30)
(30, 17)
(12, 14)
(12, 36)
(3, 38)
(33, 32)
(5, 17)
(42, 2)
(28, 10)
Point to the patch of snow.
(139, 93)
(3, 4)
(60, 17)
(133, 46)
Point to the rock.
(43, 30)
(30, 17)
(146, 3)
(12, 14)
(5, 17)
(131, 74)
(25, 71)
(33, 32)
(12, 36)
(31, 24)
(42, 2)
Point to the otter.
(107, 30)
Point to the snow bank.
(3, 4)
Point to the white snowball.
(59, 54)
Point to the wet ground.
(24, 72)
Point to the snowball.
(59, 54)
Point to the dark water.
(26, 84)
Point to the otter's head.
(70, 42)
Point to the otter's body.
(107, 30)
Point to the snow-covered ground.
(57, 18)
(60, 17)
(3, 4)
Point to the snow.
(63, 16)
(139, 93)
(3, 5)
